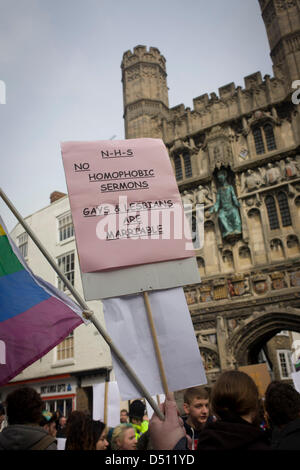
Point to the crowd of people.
(229, 416)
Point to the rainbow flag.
(34, 315)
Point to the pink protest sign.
(125, 204)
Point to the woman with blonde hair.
(123, 437)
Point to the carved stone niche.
(292, 244)
(244, 256)
(210, 359)
(219, 148)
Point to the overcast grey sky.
(60, 61)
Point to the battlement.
(230, 103)
(177, 110)
(144, 79)
(252, 82)
(141, 54)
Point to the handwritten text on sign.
(123, 192)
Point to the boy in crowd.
(196, 407)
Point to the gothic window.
(178, 167)
(284, 209)
(264, 138)
(258, 139)
(183, 166)
(272, 212)
(187, 165)
(269, 135)
(281, 205)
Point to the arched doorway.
(249, 338)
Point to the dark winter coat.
(288, 438)
(232, 433)
(23, 437)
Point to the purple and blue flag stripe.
(34, 315)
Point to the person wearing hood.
(24, 410)
(282, 404)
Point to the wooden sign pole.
(106, 402)
(156, 345)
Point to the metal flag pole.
(90, 315)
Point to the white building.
(64, 377)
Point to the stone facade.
(250, 287)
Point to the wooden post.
(156, 345)
(106, 402)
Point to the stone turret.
(282, 22)
(145, 91)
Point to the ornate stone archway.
(259, 328)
